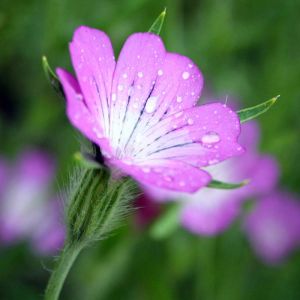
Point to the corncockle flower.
(142, 111)
(273, 226)
(210, 211)
(26, 212)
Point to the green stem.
(61, 270)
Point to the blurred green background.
(248, 50)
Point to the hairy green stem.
(61, 270)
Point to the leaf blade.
(51, 76)
(158, 23)
(216, 184)
(250, 113)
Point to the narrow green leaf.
(158, 23)
(254, 111)
(167, 223)
(51, 76)
(216, 184)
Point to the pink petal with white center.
(166, 174)
(199, 136)
(93, 60)
(78, 113)
(134, 79)
(177, 87)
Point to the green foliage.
(97, 204)
(158, 23)
(52, 78)
(250, 113)
(216, 184)
(244, 51)
(167, 223)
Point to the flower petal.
(273, 227)
(210, 211)
(200, 136)
(167, 174)
(93, 60)
(78, 113)
(136, 73)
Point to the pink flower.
(26, 211)
(211, 211)
(142, 111)
(273, 226)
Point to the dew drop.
(160, 72)
(125, 75)
(190, 65)
(140, 74)
(179, 99)
(120, 87)
(190, 121)
(151, 104)
(185, 75)
(210, 138)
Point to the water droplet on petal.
(210, 138)
(185, 75)
(140, 74)
(179, 99)
(125, 75)
(151, 104)
(160, 72)
(120, 87)
(190, 121)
